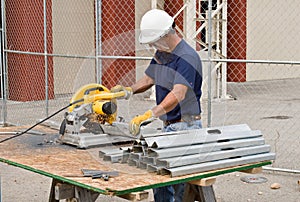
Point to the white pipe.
(281, 170)
(181, 9)
(98, 50)
(224, 50)
(258, 61)
(209, 51)
(4, 64)
(46, 59)
(80, 56)
(189, 16)
(154, 4)
(278, 62)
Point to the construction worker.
(176, 72)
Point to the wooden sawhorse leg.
(200, 190)
(60, 190)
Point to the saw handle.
(103, 96)
(93, 89)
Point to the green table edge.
(57, 177)
(201, 176)
(142, 188)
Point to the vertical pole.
(153, 92)
(4, 65)
(189, 22)
(217, 25)
(209, 63)
(153, 4)
(218, 43)
(224, 50)
(46, 59)
(98, 51)
(1, 76)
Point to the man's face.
(161, 44)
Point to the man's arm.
(171, 100)
(169, 103)
(142, 85)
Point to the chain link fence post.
(209, 95)
(3, 78)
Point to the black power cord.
(45, 119)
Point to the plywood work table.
(63, 163)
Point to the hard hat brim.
(147, 40)
(151, 36)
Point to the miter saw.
(92, 120)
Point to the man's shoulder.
(185, 49)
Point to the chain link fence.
(251, 71)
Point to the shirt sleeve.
(150, 71)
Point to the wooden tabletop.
(42, 154)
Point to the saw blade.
(93, 127)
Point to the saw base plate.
(87, 140)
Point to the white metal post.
(189, 22)
(153, 4)
(46, 59)
(209, 110)
(224, 50)
(98, 51)
(2, 67)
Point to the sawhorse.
(60, 190)
(72, 193)
(201, 190)
(196, 190)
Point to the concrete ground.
(270, 106)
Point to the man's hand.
(136, 122)
(119, 88)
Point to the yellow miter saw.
(91, 117)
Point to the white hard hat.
(154, 25)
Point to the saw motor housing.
(98, 106)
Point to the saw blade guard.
(90, 90)
(103, 102)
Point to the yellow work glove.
(127, 90)
(136, 122)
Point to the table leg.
(60, 190)
(52, 191)
(199, 193)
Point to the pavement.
(270, 106)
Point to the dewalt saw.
(91, 119)
(94, 113)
